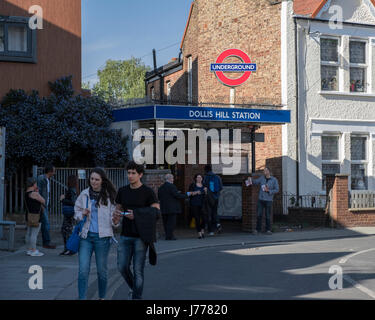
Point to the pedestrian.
(196, 193)
(96, 204)
(269, 187)
(214, 184)
(170, 205)
(132, 249)
(68, 201)
(44, 186)
(34, 205)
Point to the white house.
(329, 46)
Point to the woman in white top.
(96, 204)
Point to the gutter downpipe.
(297, 106)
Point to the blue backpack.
(214, 183)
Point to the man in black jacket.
(170, 205)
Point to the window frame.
(360, 162)
(332, 63)
(365, 66)
(335, 161)
(30, 56)
(190, 79)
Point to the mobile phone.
(125, 213)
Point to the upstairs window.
(358, 66)
(329, 57)
(17, 40)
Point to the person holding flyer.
(268, 187)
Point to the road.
(294, 270)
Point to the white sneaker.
(211, 234)
(36, 253)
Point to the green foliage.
(63, 129)
(121, 80)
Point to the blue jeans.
(45, 227)
(132, 249)
(262, 204)
(101, 248)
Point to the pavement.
(60, 273)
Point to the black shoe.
(70, 253)
(64, 252)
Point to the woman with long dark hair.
(196, 192)
(96, 205)
(68, 201)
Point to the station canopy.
(201, 117)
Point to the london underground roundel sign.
(246, 67)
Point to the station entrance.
(231, 132)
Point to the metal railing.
(118, 176)
(303, 201)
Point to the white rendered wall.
(343, 113)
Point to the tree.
(63, 129)
(121, 80)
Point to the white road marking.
(360, 287)
(355, 284)
(344, 260)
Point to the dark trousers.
(199, 217)
(46, 238)
(213, 220)
(267, 205)
(67, 228)
(169, 222)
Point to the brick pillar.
(339, 202)
(154, 179)
(249, 202)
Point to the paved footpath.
(60, 273)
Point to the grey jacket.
(272, 184)
(42, 186)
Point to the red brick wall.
(58, 46)
(340, 213)
(312, 216)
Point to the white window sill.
(347, 94)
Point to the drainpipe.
(297, 106)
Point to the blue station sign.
(191, 113)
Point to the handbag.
(73, 242)
(33, 218)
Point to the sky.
(121, 29)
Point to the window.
(17, 40)
(152, 93)
(1, 38)
(329, 56)
(330, 148)
(330, 156)
(169, 92)
(358, 151)
(358, 66)
(190, 80)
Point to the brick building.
(299, 52)
(213, 27)
(29, 58)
